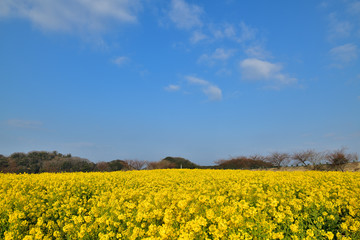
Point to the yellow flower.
(68, 227)
(278, 235)
(294, 228)
(344, 226)
(9, 236)
(178, 204)
(57, 234)
(329, 235)
(210, 214)
(310, 233)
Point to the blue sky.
(204, 80)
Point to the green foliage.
(3, 162)
(117, 165)
(114, 165)
(178, 162)
(243, 163)
(42, 161)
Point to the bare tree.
(102, 167)
(309, 157)
(338, 158)
(316, 159)
(302, 157)
(220, 161)
(136, 164)
(278, 159)
(257, 157)
(163, 164)
(152, 165)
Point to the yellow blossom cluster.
(180, 204)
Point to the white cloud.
(197, 81)
(197, 37)
(345, 53)
(338, 28)
(222, 54)
(213, 92)
(184, 15)
(255, 69)
(24, 123)
(247, 32)
(72, 15)
(223, 31)
(120, 61)
(219, 54)
(239, 33)
(257, 51)
(172, 88)
(229, 31)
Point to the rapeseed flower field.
(180, 204)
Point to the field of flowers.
(181, 204)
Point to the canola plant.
(180, 204)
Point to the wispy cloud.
(345, 53)
(197, 36)
(223, 31)
(184, 15)
(172, 88)
(18, 123)
(213, 92)
(338, 28)
(224, 72)
(354, 7)
(237, 32)
(246, 33)
(72, 15)
(120, 61)
(257, 51)
(220, 54)
(343, 26)
(255, 69)
(196, 81)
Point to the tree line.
(42, 161)
(310, 159)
